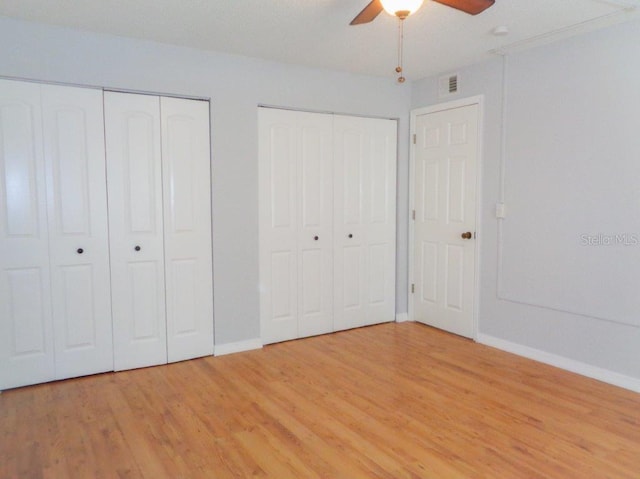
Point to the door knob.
(137, 248)
(316, 238)
(79, 251)
(350, 235)
(466, 235)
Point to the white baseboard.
(594, 372)
(240, 346)
(402, 317)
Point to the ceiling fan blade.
(368, 13)
(472, 7)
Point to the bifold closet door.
(78, 238)
(26, 334)
(327, 222)
(295, 174)
(55, 316)
(134, 180)
(187, 227)
(365, 153)
(159, 180)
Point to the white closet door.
(315, 223)
(364, 221)
(79, 251)
(278, 226)
(187, 228)
(26, 338)
(134, 181)
(295, 169)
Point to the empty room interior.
(320, 239)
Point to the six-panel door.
(445, 194)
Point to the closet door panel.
(79, 251)
(364, 220)
(134, 180)
(26, 336)
(351, 153)
(278, 226)
(187, 228)
(315, 230)
(380, 220)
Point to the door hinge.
(413, 215)
(413, 288)
(414, 138)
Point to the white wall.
(571, 168)
(236, 86)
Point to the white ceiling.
(317, 33)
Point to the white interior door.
(295, 174)
(445, 155)
(79, 250)
(134, 181)
(365, 153)
(187, 228)
(26, 337)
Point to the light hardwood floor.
(389, 401)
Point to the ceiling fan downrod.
(401, 78)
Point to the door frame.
(415, 113)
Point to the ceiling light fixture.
(401, 9)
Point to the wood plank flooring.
(390, 401)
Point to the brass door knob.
(466, 235)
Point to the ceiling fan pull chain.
(401, 78)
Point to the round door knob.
(466, 235)
(137, 248)
(79, 251)
(316, 238)
(350, 235)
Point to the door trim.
(415, 113)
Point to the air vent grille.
(449, 85)
(453, 84)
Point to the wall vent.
(448, 85)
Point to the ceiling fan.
(403, 8)
(375, 7)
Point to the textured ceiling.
(317, 32)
